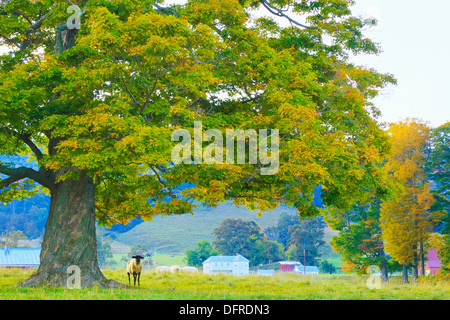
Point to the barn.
(20, 257)
(288, 266)
(433, 264)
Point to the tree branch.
(203, 63)
(26, 139)
(25, 172)
(130, 93)
(9, 181)
(167, 10)
(280, 13)
(33, 28)
(169, 190)
(9, 40)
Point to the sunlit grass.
(208, 287)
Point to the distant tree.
(140, 249)
(204, 250)
(438, 172)
(327, 267)
(233, 236)
(359, 236)
(246, 238)
(11, 238)
(280, 232)
(103, 248)
(273, 251)
(306, 237)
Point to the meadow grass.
(119, 261)
(217, 287)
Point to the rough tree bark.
(70, 237)
(384, 272)
(415, 266)
(405, 273)
(422, 260)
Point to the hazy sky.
(415, 37)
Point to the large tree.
(95, 108)
(407, 220)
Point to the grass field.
(211, 287)
(119, 261)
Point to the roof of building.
(235, 258)
(433, 259)
(306, 268)
(20, 257)
(433, 264)
(290, 263)
(432, 255)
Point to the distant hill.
(177, 233)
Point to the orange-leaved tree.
(406, 219)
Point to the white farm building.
(236, 265)
(306, 270)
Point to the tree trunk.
(384, 272)
(69, 238)
(422, 260)
(405, 274)
(415, 266)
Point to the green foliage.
(306, 238)
(297, 235)
(195, 257)
(438, 171)
(107, 103)
(102, 102)
(359, 239)
(236, 236)
(280, 232)
(327, 267)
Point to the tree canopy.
(95, 107)
(108, 104)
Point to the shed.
(306, 270)
(20, 257)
